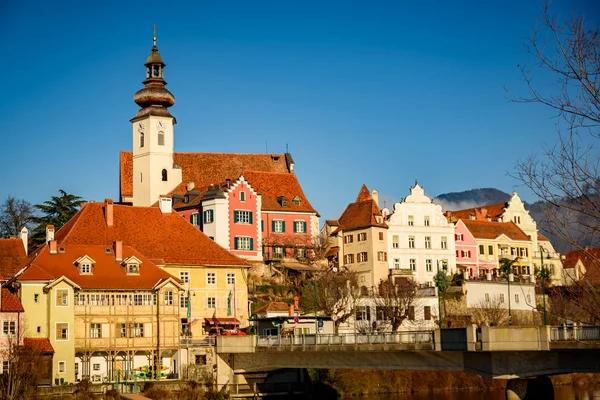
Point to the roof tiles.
(361, 214)
(12, 256)
(10, 302)
(271, 186)
(492, 230)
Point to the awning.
(222, 321)
(332, 251)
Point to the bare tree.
(491, 312)
(335, 293)
(579, 303)
(396, 300)
(26, 366)
(14, 215)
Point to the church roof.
(107, 272)
(205, 169)
(12, 256)
(492, 230)
(163, 238)
(361, 214)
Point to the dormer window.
(132, 265)
(85, 268)
(85, 265)
(296, 200)
(283, 201)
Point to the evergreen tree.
(56, 211)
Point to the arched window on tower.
(161, 138)
(142, 139)
(164, 175)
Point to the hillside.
(471, 198)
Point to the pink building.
(466, 249)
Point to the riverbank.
(335, 383)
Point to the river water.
(560, 393)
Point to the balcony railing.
(197, 342)
(401, 272)
(405, 337)
(574, 333)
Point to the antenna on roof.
(286, 148)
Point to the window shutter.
(272, 226)
(205, 214)
(262, 225)
(282, 226)
(251, 244)
(295, 229)
(236, 216)
(192, 219)
(304, 225)
(250, 217)
(236, 245)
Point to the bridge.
(519, 354)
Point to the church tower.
(154, 170)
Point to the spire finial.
(154, 37)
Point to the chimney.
(228, 181)
(166, 204)
(24, 236)
(291, 313)
(82, 204)
(118, 248)
(49, 233)
(297, 302)
(53, 246)
(375, 195)
(108, 211)
(190, 186)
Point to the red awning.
(222, 321)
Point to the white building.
(420, 238)
(522, 294)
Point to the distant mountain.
(471, 198)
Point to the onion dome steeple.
(154, 98)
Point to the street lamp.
(543, 279)
(439, 287)
(189, 309)
(507, 269)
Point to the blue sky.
(378, 92)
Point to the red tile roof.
(271, 185)
(163, 238)
(361, 214)
(542, 237)
(494, 211)
(275, 306)
(40, 344)
(107, 272)
(12, 256)
(492, 230)
(207, 168)
(10, 302)
(590, 258)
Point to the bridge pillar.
(530, 389)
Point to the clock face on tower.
(141, 127)
(161, 125)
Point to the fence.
(572, 333)
(404, 337)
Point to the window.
(458, 237)
(427, 313)
(348, 239)
(62, 331)
(184, 276)
(244, 243)
(349, 258)
(411, 242)
(96, 367)
(211, 278)
(200, 359)
(161, 138)
(427, 242)
(396, 263)
(296, 200)
(395, 242)
(490, 250)
(168, 298)
(62, 367)
(208, 216)
(487, 297)
(517, 298)
(428, 265)
(36, 298)
(141, 140)
(85, 268)
(299, 226)
(362, 257)
(362, 237)
(39, 329)
(412, 264)
(138, 330)
(262, 225)
(9, 327)
(164, 175)
(481, 250)
(138, 300)
(183, 301)
(211, 302)
(95, 331)
(62, 297)
(380, 235)
(444, 242)
(501, 297)
(426, 220)
(242, 196)
(242, 217)
(278, 250)
(195, 219)
(411, 220)
(411, 313)
(467, 254)
(133, 269)
(231, 278)
(300, 252)
(523, 251)
(381, 256)
(123, 330)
